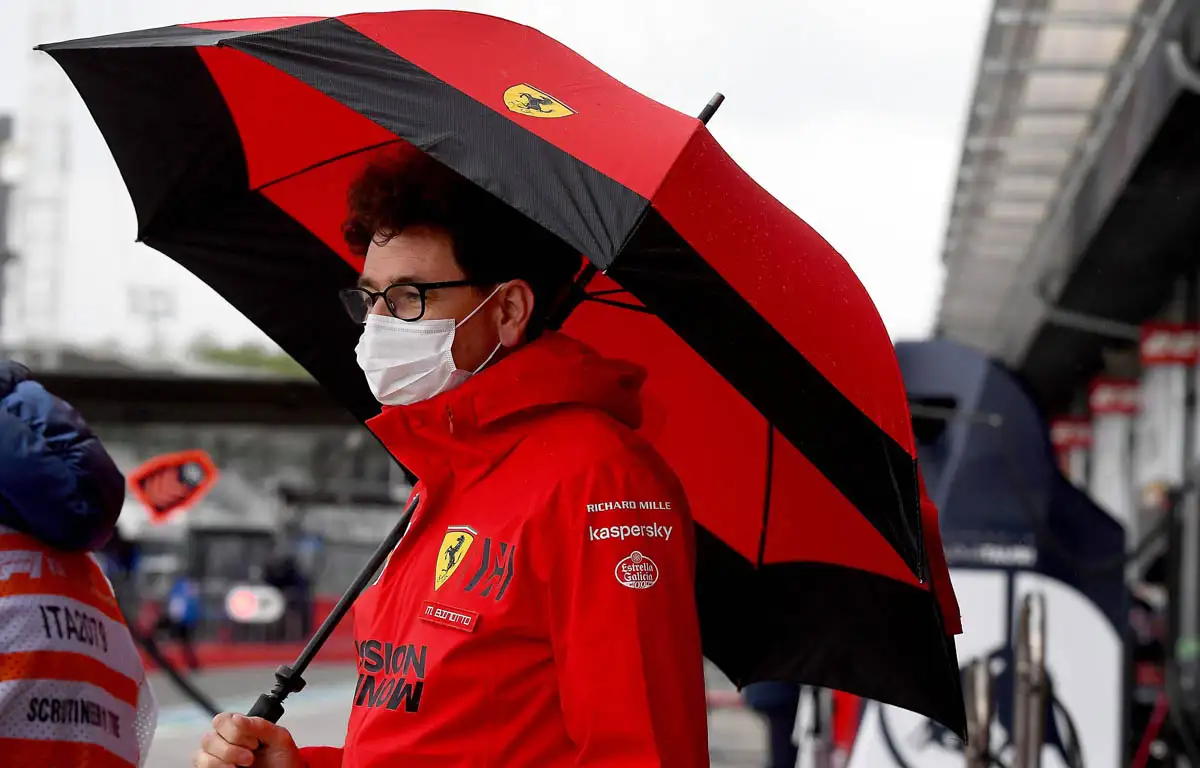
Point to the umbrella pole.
(288, 679)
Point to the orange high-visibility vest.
(73, 691)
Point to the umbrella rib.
(672, 274)
(327, 161)
(621, 304)
(762, 539)
(918, 536)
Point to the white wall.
(1083, 655)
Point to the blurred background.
(1016, 183)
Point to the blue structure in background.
(1004, 505)
(992, 473)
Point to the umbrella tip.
(711, 107)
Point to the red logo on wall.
(1071, 432)
(1113, 396)
(174, 481)
(1170, 344)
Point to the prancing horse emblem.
(526, 100)
(454, 548)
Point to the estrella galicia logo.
(637, 571)
(495, 570)
(390, 675)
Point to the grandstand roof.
(1053, 93)
(114, 387)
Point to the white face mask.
(408, 362)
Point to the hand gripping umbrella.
(773, 389)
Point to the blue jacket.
(57, 483)
(771, 696)
(183, 601)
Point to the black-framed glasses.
(405, 301)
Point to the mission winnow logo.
(391, 675)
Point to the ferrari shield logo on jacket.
(455, 544)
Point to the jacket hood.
(475, 422)
(57, 483)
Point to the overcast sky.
(848, 111)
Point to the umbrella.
(774, 390)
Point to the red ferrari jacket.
(540, 611)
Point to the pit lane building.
(1072, 254)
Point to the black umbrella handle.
(289, 680)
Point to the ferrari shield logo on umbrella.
(527, 100)
(455, 544)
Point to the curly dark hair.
(492, 241)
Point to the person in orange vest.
(73, 689)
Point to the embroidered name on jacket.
(391, 675)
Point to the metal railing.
(980, 711)
(1030, 694)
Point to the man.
(778, 704)
(119, 560)
(72, 687)
(283, 572)
(540, 610)
(179, 616)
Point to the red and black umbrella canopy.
(773, 391)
